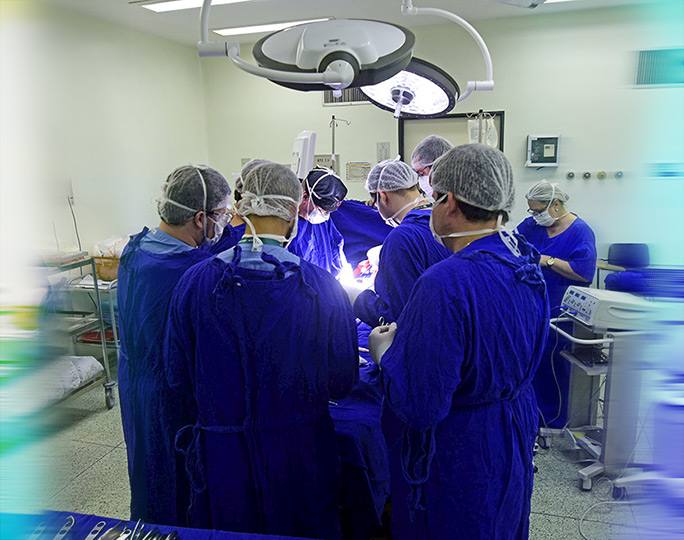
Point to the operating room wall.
(96, 110)
(570, 74)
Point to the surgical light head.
(190, 189)
(421, 90)
(339, 54)
(271, 189)
(476, 174)
(391, 175)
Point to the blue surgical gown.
(407, 252)
(320, 244)
(577, 245)
(261, 351)
(362, 228)
(458, 375)
(151, 264)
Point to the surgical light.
(339, 54)
(421, 90)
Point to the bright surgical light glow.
(177, 5)
(262, 28)
(429, 98)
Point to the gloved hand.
(381, 339)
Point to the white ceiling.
(183, 26)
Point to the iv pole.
(333, 125)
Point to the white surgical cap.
(271, 189)
(189, 189)
(428, 150)
(545, 192)
(391, 175)
(476, 174)
(247, 167)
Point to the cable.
(54, 230)
(555, 377)
(594, 506)
(78, 237)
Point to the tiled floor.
(86, 457)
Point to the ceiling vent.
(350, 96)
(664, 67)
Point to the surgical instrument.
(65, 528)
(96, 530)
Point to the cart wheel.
(109, 398)
(619, 493)
(585, 484)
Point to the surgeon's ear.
(382, 195)
(198, 219)
(452, 204)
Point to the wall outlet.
(383, 151)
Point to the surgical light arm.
(338, 75)
(407, 8)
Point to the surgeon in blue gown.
(260, 341)
(193, 212)
(408, 250)
(362, 228)
(318, 241)
(457, 366)
(568, 257)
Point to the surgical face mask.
(424, 183)
(544, 219)
(507, 238)
(317, 215)
(219, 226)
(393, 222)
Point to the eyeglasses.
(532, 212)
(423, 171)
(223, 218)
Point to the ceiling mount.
(339, 54)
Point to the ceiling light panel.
(262, 28)
(177, 5)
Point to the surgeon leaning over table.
(458, 364)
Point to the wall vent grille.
(350, 96)
(664, 67)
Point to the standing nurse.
(193, 213)
(458, 365)
(568, 257)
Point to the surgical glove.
(381, 339)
